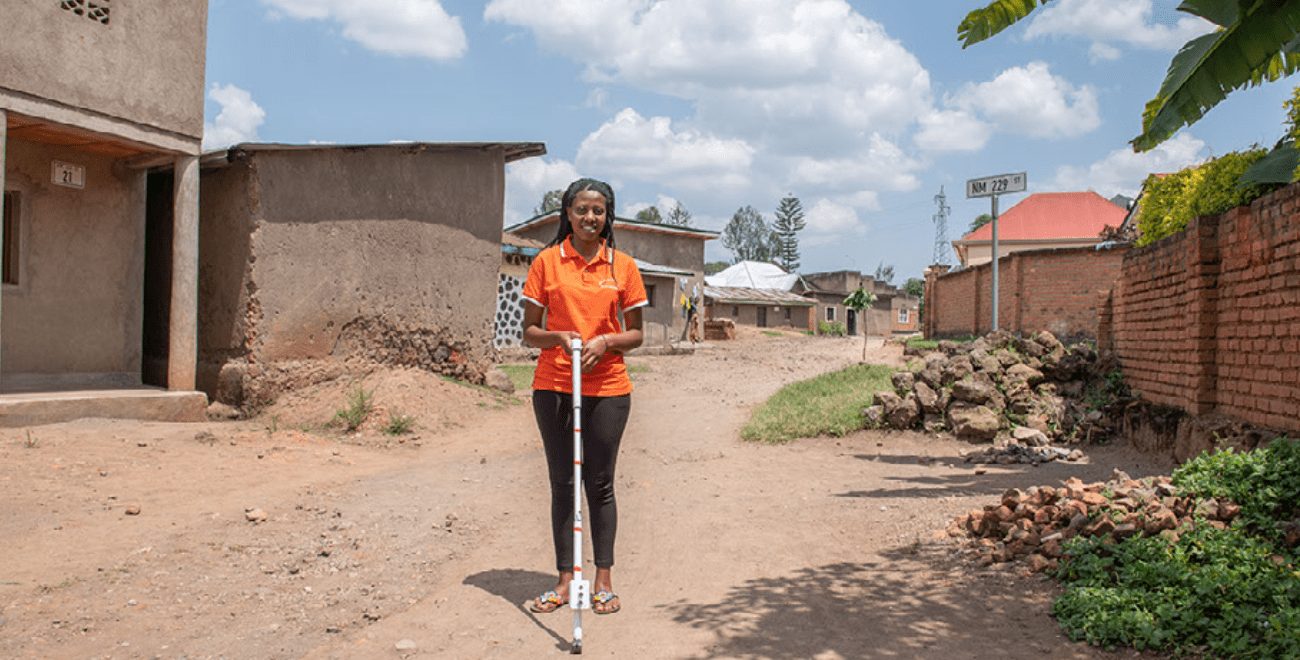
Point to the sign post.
(991, 187)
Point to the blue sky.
(861, 109)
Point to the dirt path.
(823, 548)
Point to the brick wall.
(1057, 290)
(1209, 320)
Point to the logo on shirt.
(608, 283)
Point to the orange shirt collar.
(567, 251)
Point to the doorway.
(155, 338)
(851, 318)
(762, 317)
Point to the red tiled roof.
(1048, 216)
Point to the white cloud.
(1122, 171)
(952, 130)
(808, 66)
(528, 180)
(828, 222)
(881, 166)
(415, 28)
(1100, 52)
(237, 121)
(1029, 100)
(1108, 23)
(632, 147)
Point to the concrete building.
(100, 258)
(1043, 221)
(316, 255)
(670, 258)
(894, 312)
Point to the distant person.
(582, 284)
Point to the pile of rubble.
(1033, 524)
(1028, 391)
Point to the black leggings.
(603, 420)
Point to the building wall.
(979, 254)
(145, 66)
(1055, 290)
(385, 254)
(1208, 320)
(747, 314)
(912, 305)
(76, 312)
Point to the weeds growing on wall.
(1231, 592)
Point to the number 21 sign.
(68, 175)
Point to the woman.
(582, 284)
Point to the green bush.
(1169, 204)
(1264, 482)
(831, 328)
(1231, 592)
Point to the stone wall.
(1055, 290)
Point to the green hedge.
(1171, 202)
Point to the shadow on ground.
(518, 587)
(911, 602)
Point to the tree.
(650, 214)
(551, 202)
(915, 286)
(860, 301)
(980, 220)
(787, 224)
(715, 267)
(1256, 41)
(678, 216)
(884, 273)
(748, 236)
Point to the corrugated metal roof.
(1052, 216)
(622, 223)
(513, 150)
(655, 269)
(737, 295)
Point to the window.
(650, 295)
(830, 313)
(787, 313)
(903, 315)
(735, 311)
(10, 269)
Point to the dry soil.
(134, 540)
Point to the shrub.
(399, 424)
(1230, 592)
(1169, 204)
(358, 409)
(831, 328)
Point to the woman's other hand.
(593, 351)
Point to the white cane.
(579, 589)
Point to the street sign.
(1001, 184)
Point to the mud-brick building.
(670, 258)
(313, 256)
(98, 296)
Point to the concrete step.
(33, 408)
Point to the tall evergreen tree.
(787, 225)
(678, 216)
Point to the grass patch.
(830, 404)
(360, 404)
(773, 333)
(922, 344)
(521, 375)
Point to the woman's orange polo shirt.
(585, 298)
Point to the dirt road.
(824, 548)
